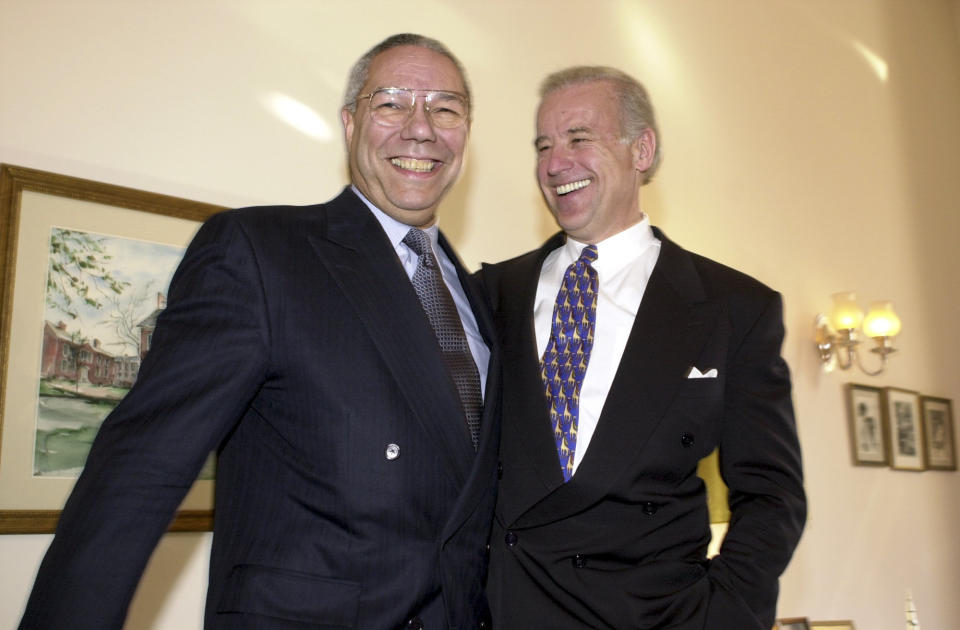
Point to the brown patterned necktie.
(445, 320)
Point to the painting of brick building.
(103, 295)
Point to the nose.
(418, 127)
(556, 161)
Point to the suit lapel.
(672, 324)
(526, 414)
(356, 252)
(480, 480)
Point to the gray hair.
(636, 110)
(361, 69)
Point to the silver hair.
(636, 110)
(361, 69)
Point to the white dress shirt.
(408, 258)
(624, 264)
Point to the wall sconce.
(836, 336)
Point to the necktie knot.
(588, 254)
(417, 240)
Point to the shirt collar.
(617, 251)
(396, 230)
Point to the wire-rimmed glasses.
(393, 107)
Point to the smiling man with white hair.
(627, 360)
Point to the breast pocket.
(703, 387)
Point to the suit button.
(649, 508)
(483, 624)
(687, 440)
(511, 539)
(579, 561)
(392, 452)
(415, 624)
(499, 470)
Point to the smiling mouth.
(572, 186)
(415, 165)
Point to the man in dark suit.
(334, 356)
(627, 360)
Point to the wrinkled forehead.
(578, 108)
(413, 67)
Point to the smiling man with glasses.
(339, 359)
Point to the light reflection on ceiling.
(875, 61)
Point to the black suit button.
(687, 440)
(579, 561)
(511, 539)
(649, 508)
(499, 470)
(415, 624)
(483, 624)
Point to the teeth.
(572, 186)
(410, 164)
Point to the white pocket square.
(695, 373)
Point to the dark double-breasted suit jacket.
(348, 492)
(622, 545)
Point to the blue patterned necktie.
(565, 360)
(442, 313)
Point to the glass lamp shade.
(846, 313)
(881, 321)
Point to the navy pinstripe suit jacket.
(294, 344)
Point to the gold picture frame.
(31, 201)
(904, 428)
(940, 446)
(868, 442)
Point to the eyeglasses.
(393, 107)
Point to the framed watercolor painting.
(85, 267)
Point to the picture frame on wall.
(792, 623)
(832, 625)
(64, 362)
(939, 442)
(868, 443)
(904, 428)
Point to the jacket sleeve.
(760, 463)
(206, 363)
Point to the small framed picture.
(792, 623)
(901, 418)
(867, 441)
(832, 625)
(938, 438)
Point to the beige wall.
(789, 154)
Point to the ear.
(346, 118)
(644, 148)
